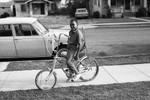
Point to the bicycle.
(87, 66)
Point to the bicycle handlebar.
(61, 35)
(58, 41)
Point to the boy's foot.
(76, 77)
(69, 80)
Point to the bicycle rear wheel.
(88, 67)
(45, 80)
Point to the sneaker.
(70, 77)
(76, 77)
(68, 73)
(69, 80)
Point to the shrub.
(109, 14)
(51, 12)
(96, 14)
(141, 12)
(63, 11)
(148, 13)
(4, 15)
(104, 16)
(107, 10)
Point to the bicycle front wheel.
(45, 80)
(88, 67)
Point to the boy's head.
(73, 24)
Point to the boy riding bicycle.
(75, 44)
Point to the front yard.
(126, 91)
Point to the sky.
(4, 0)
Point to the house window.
(99, 3)
(5, 31)
(113, 2)
(23, 8)
(137, 2)
(53, 6)
(25, 30)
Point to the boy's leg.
(69, 62)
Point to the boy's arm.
(80, 36)
(79, 44)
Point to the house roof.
(8, 4)
(17, 20)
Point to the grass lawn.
(126, 91)
(106, 60)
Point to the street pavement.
(25, 80)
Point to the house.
(5, 7)
(118, 7)
(35, 7)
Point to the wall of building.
(19, 12)
(29, 8)
(121, 7)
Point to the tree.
(74, 4)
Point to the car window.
(5, 30)
(40, 27)
(24, 30)
(81, 10)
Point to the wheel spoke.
(88, 68)
(45, 80)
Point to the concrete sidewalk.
(137, 22)
(24, 80)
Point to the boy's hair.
(72, 20)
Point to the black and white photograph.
(74, 49)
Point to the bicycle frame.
(54, 39)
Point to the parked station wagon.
(26, 38)
(81, 13)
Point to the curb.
(106, 25)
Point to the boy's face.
(73, 25)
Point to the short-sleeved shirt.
(75, 38)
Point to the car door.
(7, 46)
(28, 42)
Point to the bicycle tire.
(62, 53)
(85, 66)
(50, 81)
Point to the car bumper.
(81, 15)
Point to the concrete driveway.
(24, 80)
